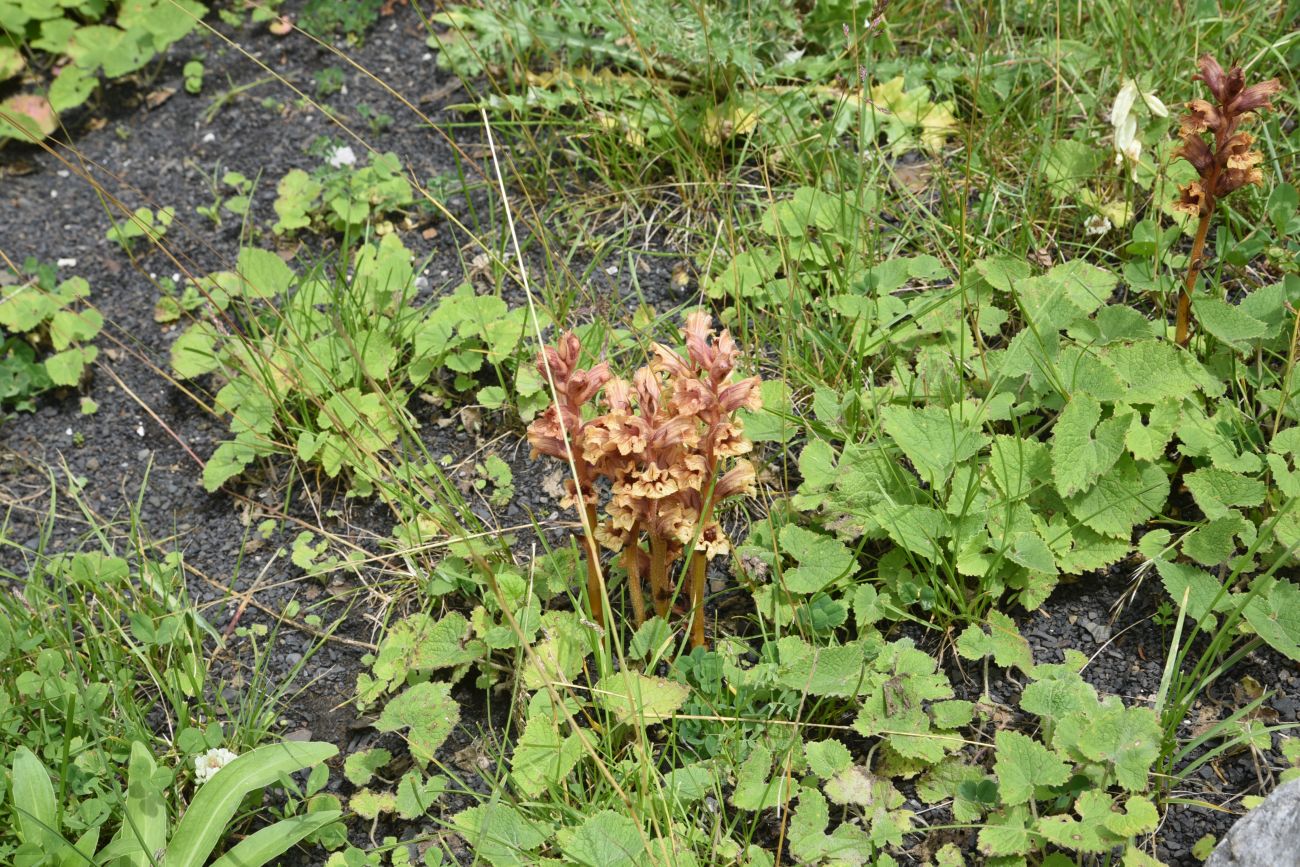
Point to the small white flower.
(207, 765)
(1096, 225)
(342, 156)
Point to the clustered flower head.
(1228, 161)
(668, 442)
(1123, 118)
(207, 765)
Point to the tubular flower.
(667, 442)
(1226, 162)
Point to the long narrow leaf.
(145, 821)
(260, 848)
(33, 800)
(214, 806)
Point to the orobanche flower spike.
(670, 446)
(1228, 161)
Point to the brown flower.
(1196, 152)
(1235, 179)
(741, 395)
(1239, 153)
(1257, 96)
(739, 480)
(729, 441)
(1191, 199)
(712, 541)
(1201, 116)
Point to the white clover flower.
(207, 765)
(1128, 147)
(1096, 225)
(342, 156)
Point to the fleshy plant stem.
(594, 584)
(1182, 326)
(659, 575)
(698, 563)
(631, 565)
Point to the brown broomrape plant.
(669, 444)
(1226, 163)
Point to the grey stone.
(1266, 836)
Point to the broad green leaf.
(1127, 738)
(822, 559)
(834, 669)
(1147, 441)
(67, 367)
(1204, 592)
(934, 439)
(638, 699)
(360, 766)
(1216, 491)
(1078, 456)
(1228, 322)
(607, 839)
(1123, 497)
(1002, 641)
(1024, 764)
(208, 815)
(229, 460)
(1019, 466)
(499, 834)
(543, 757)
(758, 786)
(1274, 614)
(1153, 370)
(195, 351)
(827, 758)
(429, 714)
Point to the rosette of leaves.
(322, 367)
(46, 326)
(80, 41)
(343, 198)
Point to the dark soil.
(149, 436)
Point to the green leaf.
(1127, 738)
(1204, 592)
(638, 699)
(72, 87)
(1024, 764)
(1153, 370)
(1126, 495)
(361, 766)
(1002, 641)
(934, 439)
(415, 795)
(498, 833)
(543, 757)
(1147, 441)
(1228, 322)
(208, 815)
(264, 846)
(822, 559)
(1215, 490)
(265, 275)
(1079, 458)
(146, 811)
(67, 367)
(827, 758)
(32, 797)
(757, 786)
(1274, 613)
(195, 351)
(428, 712)
(1019, 466)
(229, 460)
(606, 839)
(1139, 817)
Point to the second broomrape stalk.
(1227, 163)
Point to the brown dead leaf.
(158, 97)
(472, 419)
(553, 483)
(1041, 256)
(915, 177)
(1206, 717)
(430, 233)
